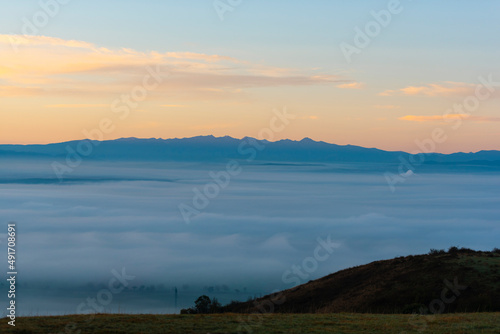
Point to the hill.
(462, 280)
(457, 281)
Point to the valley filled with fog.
(242, 242)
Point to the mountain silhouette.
(210, 148)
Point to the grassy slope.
(273, 323)
(400, 285)
(383, 286)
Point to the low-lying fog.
(241, 243)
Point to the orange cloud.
(77, 105)
(15, 91)
(57, 66)
(448, 88)
(352, 85)
(16, 41)
(442, 118)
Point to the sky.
(383, 74)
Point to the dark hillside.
(457, 281)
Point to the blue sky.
(448, 44)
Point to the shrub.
(436, 251)
(204, 305)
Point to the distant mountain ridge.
(210, 148)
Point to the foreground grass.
(244, 323)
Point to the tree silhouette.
(202, 304)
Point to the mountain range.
(210, 148)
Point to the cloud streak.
(53, 66)
(70, 106)
(444, 118)
(447, 88)
(352, 85)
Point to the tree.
(215, 306)
(202, 304)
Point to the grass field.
(271, 323)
